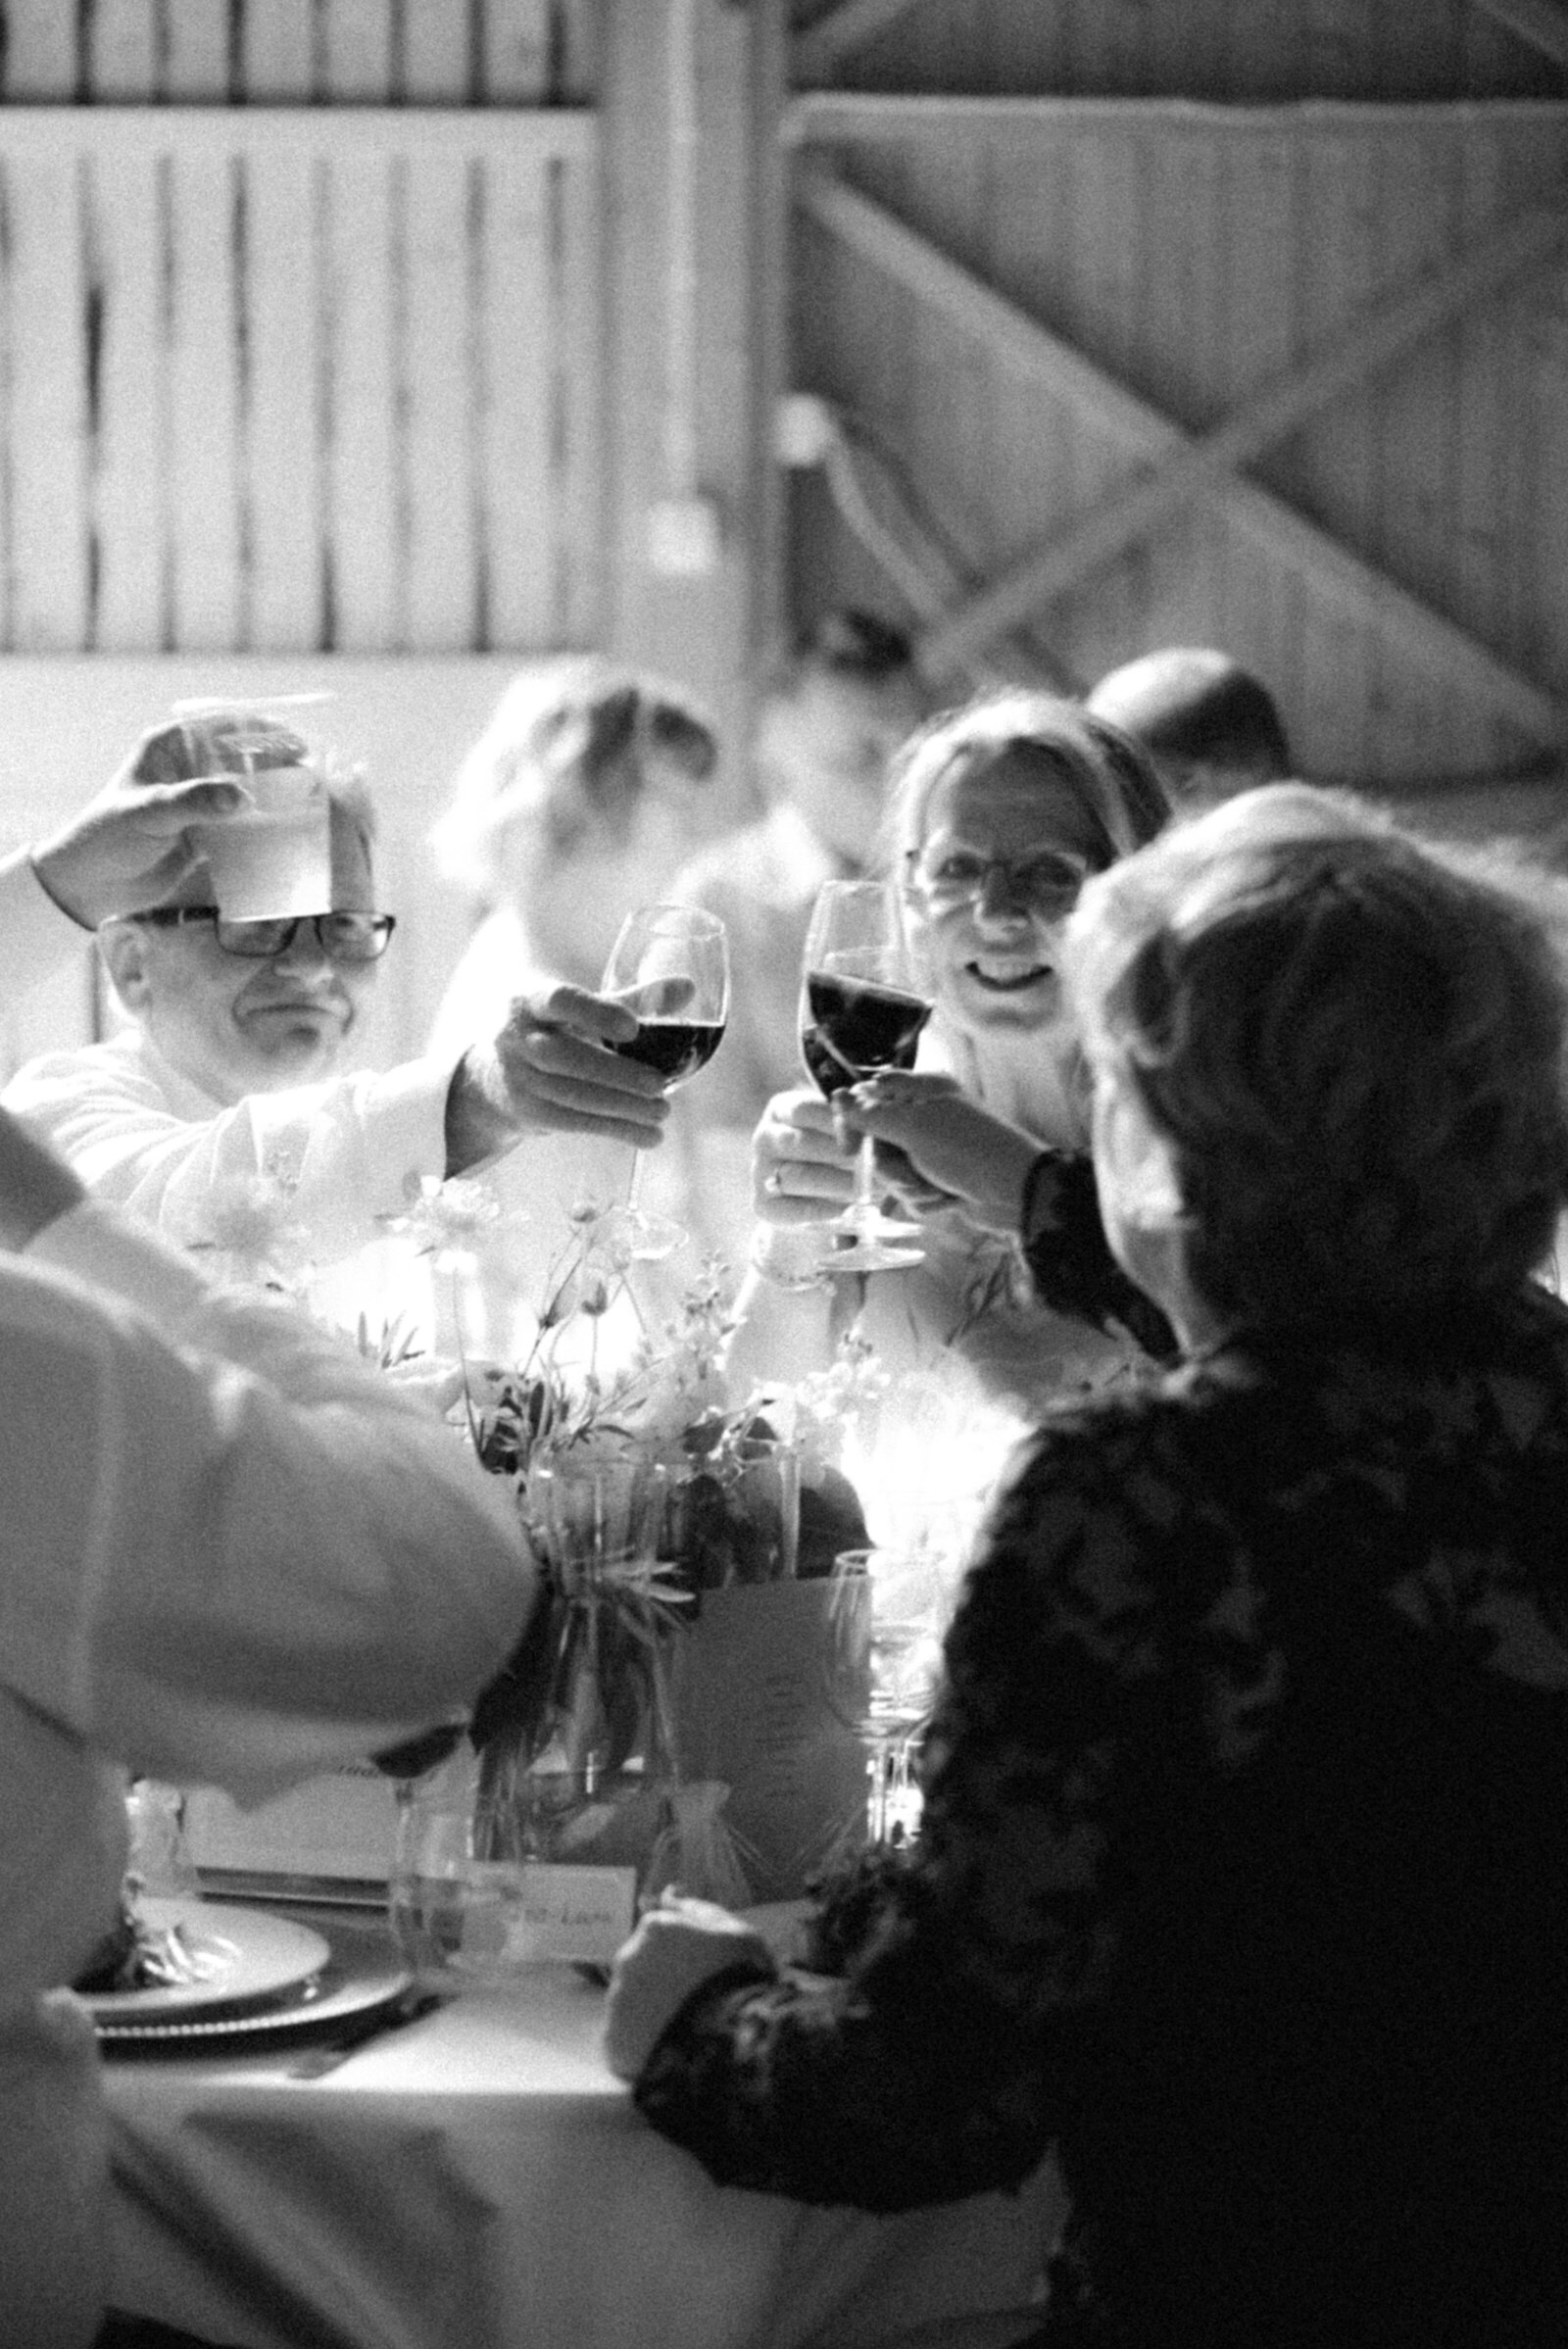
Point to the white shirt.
(232, 1553)
(144, 1137)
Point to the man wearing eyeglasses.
(238, 1029)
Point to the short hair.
(567, 745)
(1198, 713)
(1114, 779)
(1354, 1042)
(230, 740)
(850, 644)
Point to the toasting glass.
(670, 966)
(860, 1011)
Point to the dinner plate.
(253, 1958)
(325, 2005)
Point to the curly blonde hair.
(1355, 1042)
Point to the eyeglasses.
(1048, 882)
(341, 937)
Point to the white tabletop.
(480, 2178)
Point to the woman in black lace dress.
(1244, 1876)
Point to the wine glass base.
(855, 1253)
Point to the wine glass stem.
(862, 1205)
(635, 1182)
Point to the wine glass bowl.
(860, 1013)
(670, 966)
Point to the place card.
(547, 1913)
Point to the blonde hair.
(1115, 780)
(568, 743)
(1357, 1043)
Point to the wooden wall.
(1196, 201)
(297, 307)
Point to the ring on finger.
(774, 1183)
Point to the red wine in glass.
(859, 1012)
(856, 1028)
(670, 966)
(675, 1049)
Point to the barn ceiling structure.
(372, 346)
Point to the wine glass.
(882, 1660)
(860, 1013)
(670, 966)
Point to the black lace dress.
(1244, 1871)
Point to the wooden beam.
(1019, 340)
(829, 118)
(1542, 22)
(931, 574)
(533, 132)
(1372, 342)
(821, 47)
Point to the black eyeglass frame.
(1075, 869)
(378, 931)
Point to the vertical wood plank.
(354, 52)
(48, 424)
(518, 58)
(522, 399)
(437, 359)
(42, 61)
(1334, 280)
(435, 65)
(197, 198)
(360, 445)
(197, 56)
(129, 483)
(578, 424)
(276, 51)
(1260, 614)
(119, 65)
(282, 398)
(1415, 720)
(576, 38)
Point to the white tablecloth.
(480, 2180)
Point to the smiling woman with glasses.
(341, 937)
(998, 815)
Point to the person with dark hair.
(230, 1066)
(1209, 725)
(1244, 1858)
(829, 725)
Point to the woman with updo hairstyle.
(997, 814)
(1242, 1869)
(575, 803)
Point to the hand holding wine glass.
(669, 966)
(860, 1013)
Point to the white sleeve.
(235, 1552)
(351, 1145)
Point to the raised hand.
(953, 1149)
(554, 1067)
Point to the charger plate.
(251, 1958)
(323, 2007)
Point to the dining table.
(477, 2178)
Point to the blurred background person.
(1243, 1855)
(576, 804)
(574, 807)
(1209, 725)
(997, 814)
(829, 725)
